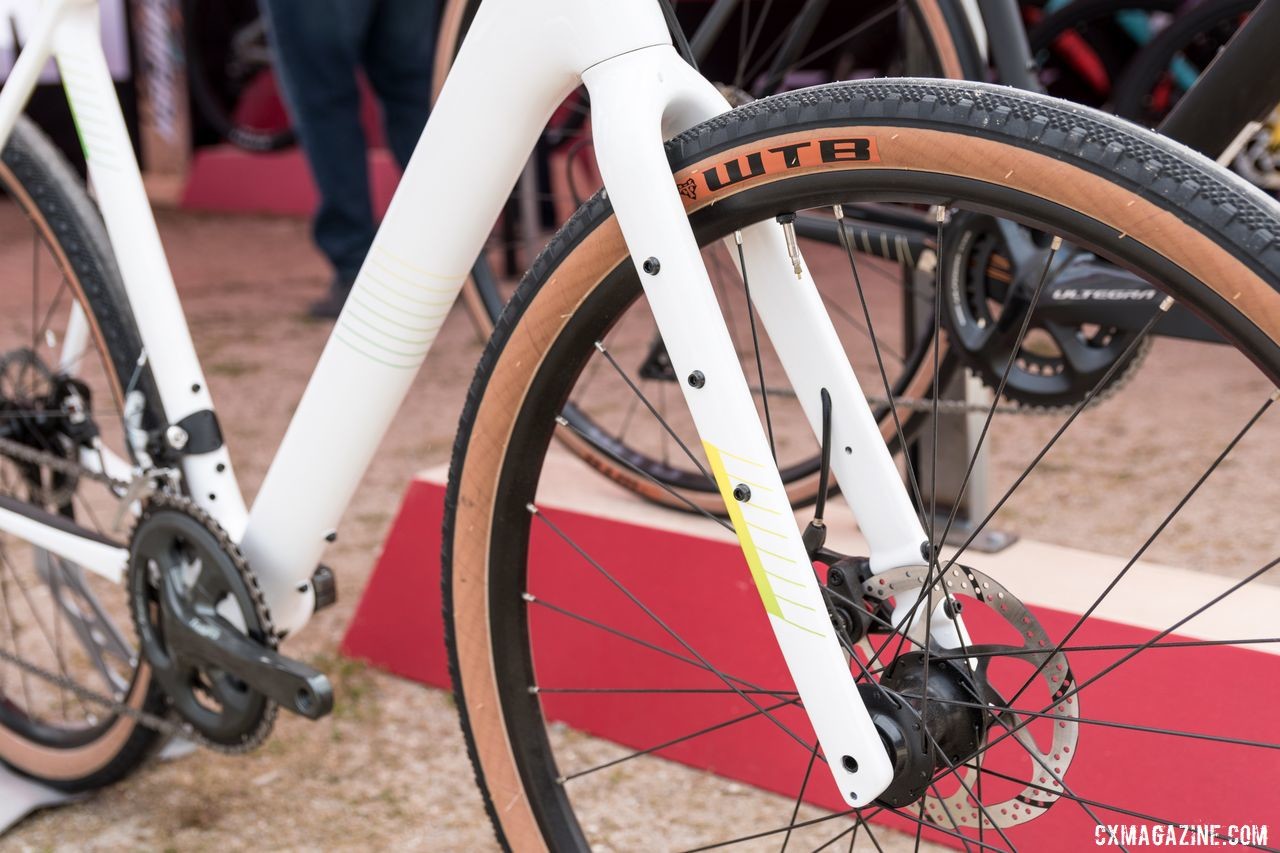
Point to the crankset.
(205, 629)
(1083, 326)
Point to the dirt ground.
(388, 769)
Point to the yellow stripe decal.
(740, 525)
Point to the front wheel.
(595, 722)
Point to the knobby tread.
(1217, 202)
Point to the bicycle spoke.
(912, 479)
(1073, 692)
(1004, 379)
(645, 400)
(1133, 727)
(1111, 808)
(1107, 647)
(533, 510)
(804, 785)
(847, 37)
(725, 523)
(1044, 451)
(933, 543)
(747, 686)
(39, 623)
(750, 715)
(741, 81)
(755, 344)
(722, 691)
(777, 830)
(1160, 529)
(12, 623)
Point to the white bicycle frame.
(463, 169)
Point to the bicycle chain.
(115, 706)
(24, 453)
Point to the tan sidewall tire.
(602, 249)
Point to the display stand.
(19, 797)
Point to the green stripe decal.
(758, 573)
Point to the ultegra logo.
(1121, 294)
(794, 155)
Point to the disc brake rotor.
(1048, 766)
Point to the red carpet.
(707, 596)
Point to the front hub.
(927, 724)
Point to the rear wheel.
(595, 662)
(68, 373)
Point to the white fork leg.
(630, 95)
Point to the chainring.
(177, 544)
(1045, 780)
(984, 300)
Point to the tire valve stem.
(788, 223)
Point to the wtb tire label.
(744, 166)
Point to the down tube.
(461, 172)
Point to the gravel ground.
(388, 769)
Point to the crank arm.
(209, 639)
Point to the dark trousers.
(320, 47)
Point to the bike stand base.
(19, 797)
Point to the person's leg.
(398, 55)
(318, 45)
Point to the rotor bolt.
(741, 492)
(176, 436)
(696, 379)
(927, 552)
(951, 607)
(835, 577)
(651, 266)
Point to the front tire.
(1201, 235)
